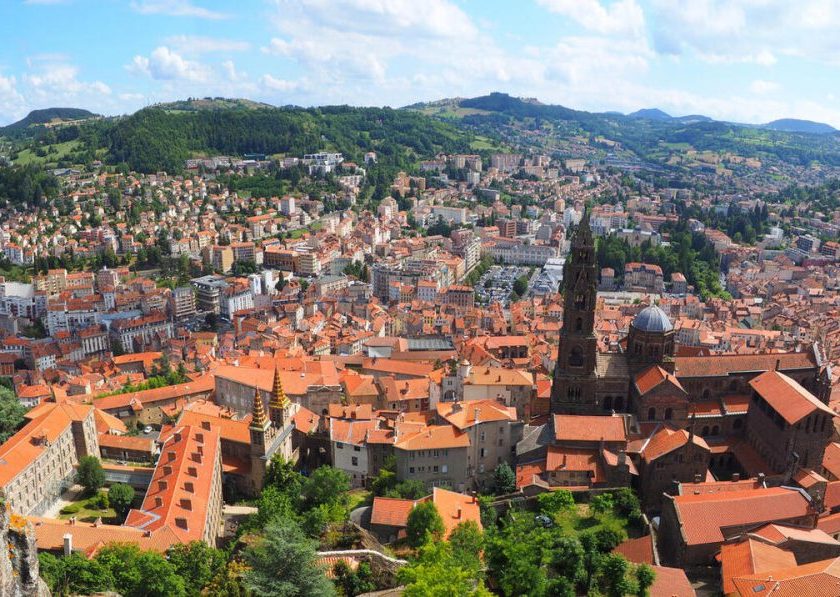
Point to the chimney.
(68, 544)
(736, 477)
(778, 364)
(761, 478)
(458, 514)
(698, 477)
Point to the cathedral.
(735, 410)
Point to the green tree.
(644, 579)
(424, 522)
(327, 485)
(197, 563)
(11, 413)
(229, 581)
(281, 474)
(614, 576)
(74, 574)
(555, 501)
(353, 582)
(89, 474)
(504, 479)
(437, 573)
(283, 563)
(467, 542)
(120, 496)
(140, 573)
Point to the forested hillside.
(154, 139)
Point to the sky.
(739, 60)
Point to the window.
(435, 469)
(339, 445)
(354, 461)
(411, 470)
(576, 357)
(444, 468)
(651, 414)
(357, 448)
(482, 452)
(668, 414)
(578, 324)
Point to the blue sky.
(743, 60)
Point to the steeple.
(573, 388)
(259, 422)
(279, 402)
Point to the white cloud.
(749, 31)
(274, 84)
(233, 75)
(167, 65)
(762, 87)
(623, 16)
(62, 77)
(197, 44)
(176, 8)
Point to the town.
(177, 353)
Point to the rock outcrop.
(18, 558)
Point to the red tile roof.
(749, 557)
(704, 517)
(787, 397)
(637, 551)
(591, 428)
(818, 579)
(720, 365)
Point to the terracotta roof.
(831, 459)
(467, 414)
(168, 498)
(498, 376)
(126, 442)
(454, 508)
(89, 537)
(704, 517)
(295, 383)
(667, 439)
(719, 365)
(47, 422)
(652, 377)
(432, 437)
(787, 397)
(670, 582)
(748, 557)
(575, 459)
(637, 551)
(818, 579)
(780, 533)
(590, 428)
(391, 511)
(202, 385)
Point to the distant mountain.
(212, 103)
(650, 114)
(46, 116)
(692, 118)
(794, 125)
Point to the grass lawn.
(573, 522)
(87, 511)
(359, 497)
(62, 150)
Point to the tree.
(555, 501)
(89, 474)
(467, 541)
(74, 574)
(644, 578)
(138, 573)
(614, 575)
(424, 522)
(437, 573)
(353, 582)
(228, 582)
(11, 413)
(602, 504)
(281, 474)
(283, 563)
(504, 479)
(197, 563)
(120, 497)
(327, 485)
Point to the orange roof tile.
(748, 557)
(787, 397)
(467, 414)
(818, 579)
(592, 428)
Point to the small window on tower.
(576, 357)
(578, 324)
(580, 301)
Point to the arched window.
(580, 301)
(668, 414)
(733, 385)
(705, 431)
(578, 324)
(638, 348)
(738, 424)
(651, 414)
(576, 357)
(618, 404)
(715, 430)
(706, 394)
(608, 403)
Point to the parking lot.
(496, 284)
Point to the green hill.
(47, 116)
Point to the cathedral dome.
(652, 319)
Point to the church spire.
(259, 420)
(278, 396)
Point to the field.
(56, 152)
